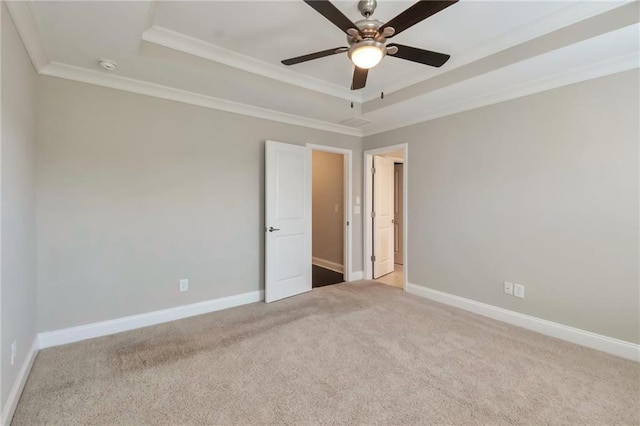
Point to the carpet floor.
(361, 353)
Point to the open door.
(287, 220)
(383, 212)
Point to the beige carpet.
(347, 353)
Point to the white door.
(287, 220)
(383, 216)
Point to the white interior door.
(287, 220)
(383, 231)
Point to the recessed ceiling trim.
(26, 23)
(197, 47)
(605, 23)
(576, 12)
(565, 78)
(114, 81)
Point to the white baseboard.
(356, 275)
(18, 386)
(104, 328)
(602, 343)
(327, 264)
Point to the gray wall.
(136, 192)
(542, 191)
(17, 176)
(328, 191)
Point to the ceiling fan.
(367, 37)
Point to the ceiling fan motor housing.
(368, 36)
(368, 29)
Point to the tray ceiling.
(230, 51)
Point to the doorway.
(330, 215)
(386, 171)
(288, 217)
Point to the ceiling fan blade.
(329, 11)
(413, 54)
(416, 13)
(359, 78)
(316, 55)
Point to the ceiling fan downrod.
(367, 7)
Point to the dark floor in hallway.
(321, 277)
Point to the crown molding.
(24, 18)
(114, 81)
(576, 12)
(197, 47)
(565, 78)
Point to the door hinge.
(373, 258)
(373, 214)
(347, 223)
(373, 170)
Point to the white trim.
(18, 385)
(25, 19)
(396, 159)
(348, 209)
(562, 18)
(327, 264)
(531, 87)
(104, 328)
(26, 23)
(197, 47)
(368, 207)
(356, 276)
(114, 81)
(602, 343)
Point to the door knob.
(272, 229)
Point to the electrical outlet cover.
(518, 291)
(508, 287)
(14, 349)
(184, 284)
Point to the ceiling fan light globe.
(367, 55)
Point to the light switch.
(358, 201)
(356, 209)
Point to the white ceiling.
(227, 54)
(273, 31)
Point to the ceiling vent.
(355, 122)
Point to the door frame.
(368, 208)
(347, 222)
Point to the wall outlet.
(14, 350)
(508, 287)
(518, 291)
(184, 284)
